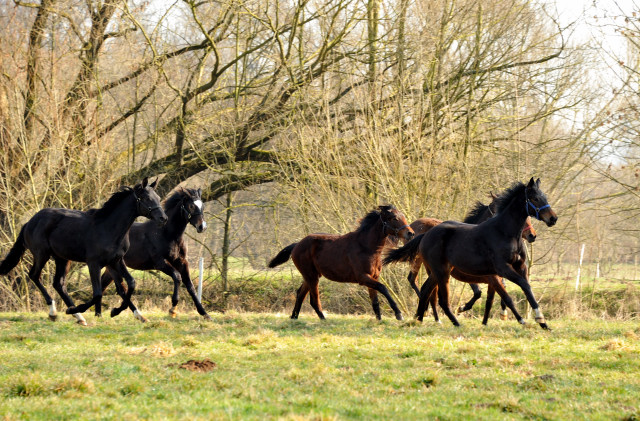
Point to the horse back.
(336, 257)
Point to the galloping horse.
(353, 257)
(98, 237)
(479, 213)
(492, 247)
(163, 248)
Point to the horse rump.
(283, 256)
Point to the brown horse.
(354, 257)
(421, 226)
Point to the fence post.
(580, 267)
(200, 278)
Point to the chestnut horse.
(354, 257)
(163, 248)
(493, 247)
(479, 213)
(98, 237)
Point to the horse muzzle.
(201, 227)
(550, 218)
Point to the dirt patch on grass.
(199, 366)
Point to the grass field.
(347, 367)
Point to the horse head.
(394, 222)
(192, 209)
(537, 204)
(148, 202)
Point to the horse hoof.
(544, 326)
(53, 317)
(173, 313)
(99, 315)
(114, 312)
(461, 309)
(81, 322)
(142, 319)
(399, 317)
(207, 317)
(503, 317)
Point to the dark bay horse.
(163, 247)
(492, 247)
(479, 213)
(97, 237)
(354, 257)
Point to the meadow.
(266, 366)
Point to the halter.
(395, 230)
(528, 203)
(187, 215)
(528, 228)
(139, 202)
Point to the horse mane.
(474, 215)
(369, 220)
(508, 195)
(174, 200)
(111, 203)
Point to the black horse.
(163, 248)
(98, 237)
(479, 213)
(490, 248)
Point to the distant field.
(347, 367)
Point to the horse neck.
(514, 216)
(374, 237)
(176, 224)
(120, 220)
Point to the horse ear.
(531, 182)
(199, 192)
(538, 183)
(492, 195)
(153, 185)
(145, 181)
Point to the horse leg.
(300, 296)
(369, 282)
(94, 273)
(425, 293)
(487, 308)
(59, 284)
(477, 293)
(121, 270)
(121, 290)
(443, 297)
(503, 305)
(508, 272)
(413, 275)
(375, 303)
(498, 286)
(433, 300)
(188, 284)
(314, 298)
(39, 260)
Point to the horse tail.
(15, 254)
(283, 256)
(406, 253)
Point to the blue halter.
(537, 215)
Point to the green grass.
(346, 367)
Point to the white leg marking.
(52, 308)
(80, 318)
(505, 313)
(539, 313)
(138, 316)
